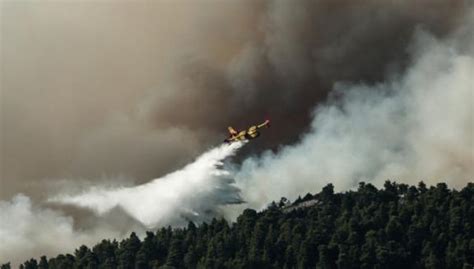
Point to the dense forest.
(398, 226)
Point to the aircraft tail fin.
(232, 131)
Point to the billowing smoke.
(138, 89)
(27, 230)
(419, 126)
(197, 192)
(141, 88)
(193, 193)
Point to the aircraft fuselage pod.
(248, 134)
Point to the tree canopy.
(398, 226)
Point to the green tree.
(368, 258)
(128, 251)
(399, 226)
(175, 255)
(43, 264)
(31, 264)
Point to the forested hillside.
(398, 226)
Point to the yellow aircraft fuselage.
(251, 133)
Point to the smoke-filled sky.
(117, 93)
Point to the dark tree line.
(399, 226)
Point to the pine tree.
(368, 258)
(105, 252)
(31, 264)
(128, 251)
(43, 264)
(395, 227)
(175, 255)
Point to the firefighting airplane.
(250, 133)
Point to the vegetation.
(399, 226)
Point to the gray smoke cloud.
(416, 127)
(197, 192)
(141, 88)
(28, 230)
(78, 91)
(119, 93)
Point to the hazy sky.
(98, 89)
(77, 78)
(98, 98)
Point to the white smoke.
(30, 231)
(195, 193)
(417, 127)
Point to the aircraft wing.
(264, 124)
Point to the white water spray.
(194, 192)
